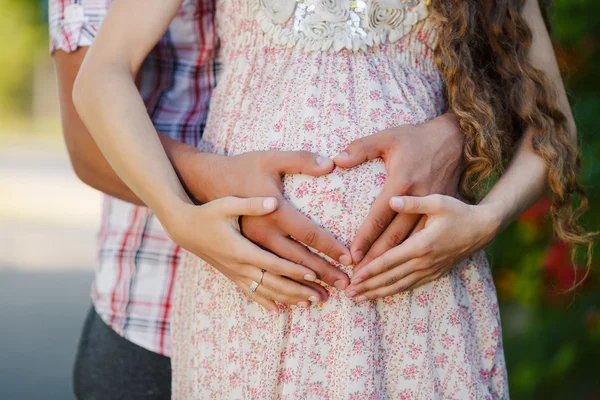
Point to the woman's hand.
(451, 231)
(212, 232)
(420, 160)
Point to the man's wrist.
(448, 137)
(193, 168)
(448, 124)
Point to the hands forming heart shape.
(408, 239)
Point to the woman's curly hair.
(498, 96)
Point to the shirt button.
(74, 13)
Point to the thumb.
(431, 204)
(301, 162)
(235, 206)
(361, 150)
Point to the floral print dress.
(315, 75)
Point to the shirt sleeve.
(74, 23)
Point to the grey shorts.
(108, 366)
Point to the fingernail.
(356, 280)
(345, 260)
(340, 285)
(269, 204)
(397, 202)
(310, 278)
(275, 312)
(302, 304)
(358, 255)
(361, 299)
(342, 156)
(351, 293)
(323, 161)
(313, 299)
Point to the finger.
(378, 219)
(386, 278)
(301, 290)
(434, 203)
(301, 162)
(396, 233)
(420, 225)
(282, 298)
(320, 288)
(299, 254)
(361, 150)
(433, 276)
(235, 206)
(307, 288)
(397, 287)
(423, 281)
(415, 246)
(287, 291)
(268, 304)
(297, 225)
(254, 255)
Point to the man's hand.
(420, 160)
(259, 174)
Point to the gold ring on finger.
(262, 275)
(254, 285)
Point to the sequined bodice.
(319, 25)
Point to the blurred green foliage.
(23, 36)
(552, 339)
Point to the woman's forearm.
(524, 181)
(127, 138)
(110, 105)
(521, 185)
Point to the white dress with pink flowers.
(315, 75)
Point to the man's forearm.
(88, 161)
(93, 169)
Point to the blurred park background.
(48, 221)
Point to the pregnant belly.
(339, 201)
(324, 117)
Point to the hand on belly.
(339, 201)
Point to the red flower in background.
(537, 211)
(559, 269)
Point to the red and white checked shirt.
(133, 287)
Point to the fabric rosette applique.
(350, 24)
(387, 15)
(332, 10)
(278, 11)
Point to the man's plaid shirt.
(133, 287)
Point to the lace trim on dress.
(323, 24)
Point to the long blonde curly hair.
(498, 96)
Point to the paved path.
(41, 313)
(48, 221)
(48, 218)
